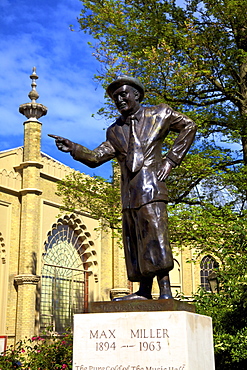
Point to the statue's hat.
(126, 80)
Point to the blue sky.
(36, 33)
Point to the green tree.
(193, 57)
(220, 232)
(94, 195)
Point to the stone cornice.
(26, 279)
(9, 190)
(30, 191)
(50, 177)
(20, 192)
(28, 164)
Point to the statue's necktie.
(134, 158)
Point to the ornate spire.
(33, 111)
(33, 95)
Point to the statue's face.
(127, 102)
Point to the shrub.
(48, 352)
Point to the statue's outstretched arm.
(92, 158)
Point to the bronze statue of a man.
(136, 139)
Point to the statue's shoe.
(130, 297)
(165, 296)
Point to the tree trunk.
(244, 144)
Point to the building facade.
(54, 263)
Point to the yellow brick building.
(52, 266)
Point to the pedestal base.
(167, 340)
(138, 306)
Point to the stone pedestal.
(169, 340)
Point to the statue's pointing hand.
(65, 145)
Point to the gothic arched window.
(67, 261)
(207, 265)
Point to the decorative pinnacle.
(33, 95)
(33, 110)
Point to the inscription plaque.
(137, 306)
(143, 341)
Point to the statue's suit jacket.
(154, 124)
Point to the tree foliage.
(93, 195)
(194, 56)
(219, 232)
(48, 352)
